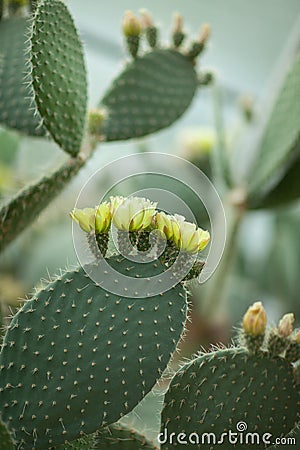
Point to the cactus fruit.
(152, 92)
(16, 109)
(120, 437)
(23, 209)
(58, 75)
(6, 442)
(76, 357)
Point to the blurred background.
(250, 46)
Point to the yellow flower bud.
(297, 337)
(285, 327)
(255, 320)
(131, 25)
(85, 218)
(103, 217)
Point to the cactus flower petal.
(85, 218)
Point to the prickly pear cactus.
(57, 74)
(152, 92)
(16, 107)
(216, 397)
(77, 357)
(120, 437)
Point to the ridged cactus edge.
(120, 437)
(98, 352)
(17, 109)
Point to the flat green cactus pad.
(77, 357)
(16, 106)
(6, 442)
(119, 437)
(228, 390)
(150, 94)
(59, 74)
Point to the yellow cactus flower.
(133, 213)
(185, 235)
(131, 25)
(85, 218)
(115, 202)
(255, 320)
(163, 224)
(103, 217)
(285, 327)
(203, 239)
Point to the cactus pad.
(23, 209)
(150, 94)
(6, 442)
(58, 74)
(216, 391)
(77, 357)
(16, 108)
(119, 437)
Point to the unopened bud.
(205, 33)
(146, 19)
(255, 320)
(95, 121)
(285, 327)
(178, 35)
(131, 25)
(151, 31)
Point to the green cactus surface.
(24, 208)
(58, 74)
(120, 437)
(287, 189)
(6, 441)
(150, 94)
(16, 107)
(84, 443)
(219, 390)
(76, 357)
(281, 133)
